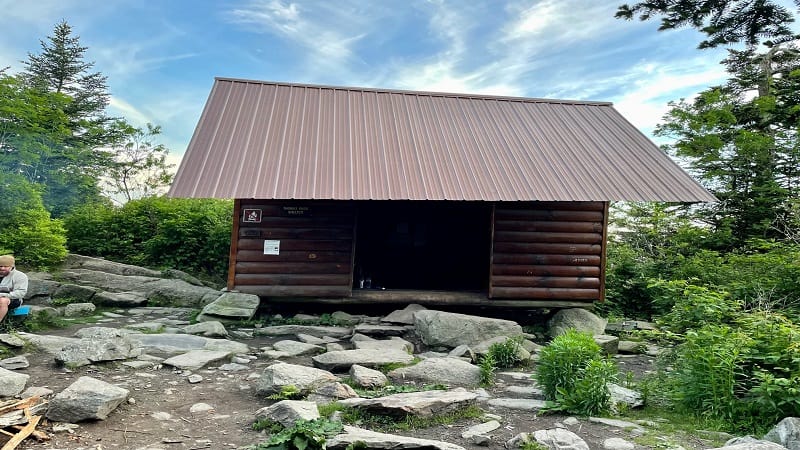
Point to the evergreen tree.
(724, 22)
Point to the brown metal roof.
(271, 140)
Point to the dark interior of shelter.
(430, 245)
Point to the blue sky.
(161, 57)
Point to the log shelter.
(355, 195)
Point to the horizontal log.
(548, 225)
(297, 233)
(550, 249)
(566, 206)
(555, 271)
(276, 209)
(291, 256)
(292, 280)
(292, 267)
(545, 293)
(557, 215)
(547, 237)
(406, 296)
(296, 291)
(302, 222)
(294, 244)
(549, 260)
(539, 281)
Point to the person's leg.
(4, 302)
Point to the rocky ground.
(167, 411)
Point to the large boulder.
(281, 375)
(230, 307)
(86, 399)
(438, 328)
(577, 318)
(74, 261)
(786, 433)
(12, 383)
(448, 371)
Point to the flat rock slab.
(524, 404)
(312, 330)
(374, 440)
(423, 403)
(281, 375)
(297, 348)
(48, 344)
(195, 359)
(380, 330)
(449, 371)
(367, 357)
(171, 344)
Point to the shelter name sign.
(296, 210)
(272, 247)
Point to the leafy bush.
(26, 229)
(506, 353)
(574, 375)
(695, 306)
(304, 435)
(192, 235)
(488, 366)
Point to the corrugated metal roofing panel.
(292, 141)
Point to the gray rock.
(625, 396)
(524, 404)
(11, 340)
(438, 328)
(331, 392)
(342, 317)
(308, 339)
(201, 408)
(102, 333)
(318, 331)
(90, 350)
(79, 309)
(480, 429)
(296, 348)
(147, 327)
(230, 307)
(618, 444)
(120, 299)
(15, 362)
(448, 371)
(45, 343)
(36, 391)
(394, 343)
(287, 412)
(12, 383)
(380, 330)
(382, 441)
(280, 375)
(526, 392)
(560, 439)
(86, 399)
(482, 348)
(233, 367)
(616, 423)
(109, 282)
(423, 403)
(366, 377)
(608, 344)
(343, 359)
(577, 318)
(631, 347)
(463, 351)
(405, 315)
(171, 344)
(196, 359)
(174, 292)
(40, 289)
(74, 261)
(212, 329)
(786, 433)
(74, 292)
(750, 444)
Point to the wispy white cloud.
(325, 32)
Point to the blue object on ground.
(21, 311)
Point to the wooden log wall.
(549, 251)
(314, 243)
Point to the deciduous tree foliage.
(139, 167)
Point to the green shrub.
(695, 306)
(573, 374)
(304, 435)
(589, 396)
(488, 366)
(26, 229)
(507, 352)
(192, 235)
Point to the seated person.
(13, 285)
